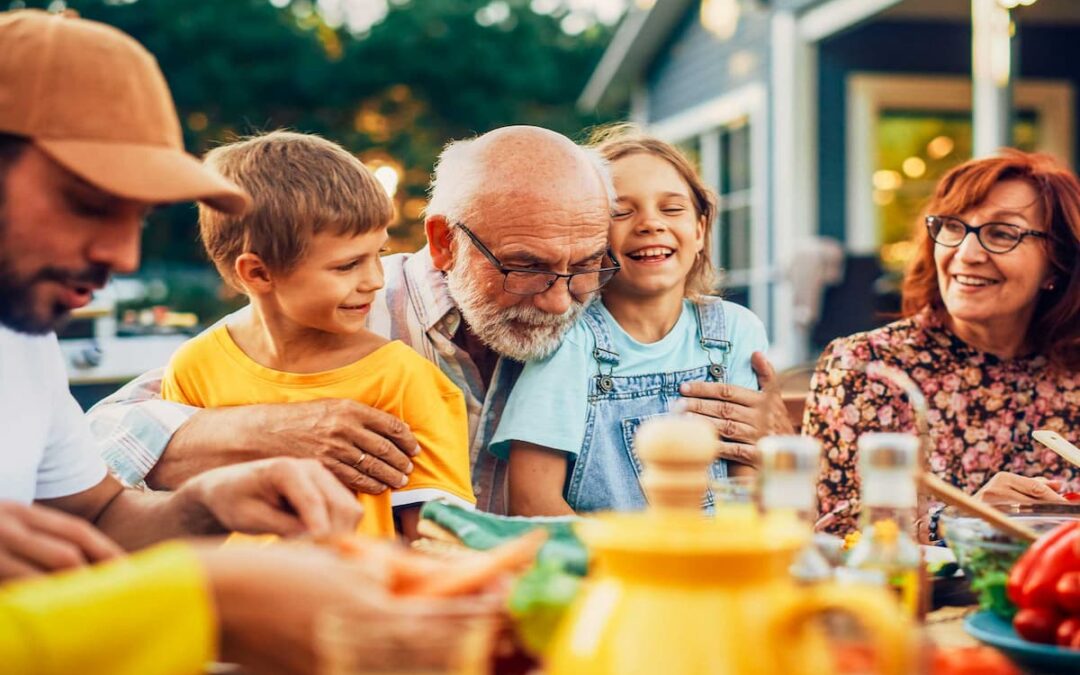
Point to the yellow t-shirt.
(150, 614)
(211, 371)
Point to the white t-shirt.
(46, 449)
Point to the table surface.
(945, 627)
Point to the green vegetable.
(538, 602)
(992, 595)
(988, 571)
(482, 531)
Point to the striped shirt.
(133, 426)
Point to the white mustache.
(492, 325)
(532, 316)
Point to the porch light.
(389, 177)
(887, 180)
(939, 147)
(914, 167)
(720, 17)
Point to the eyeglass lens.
(994, 237)
(531, 283)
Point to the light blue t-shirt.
(549, 403)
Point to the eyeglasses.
(994, 237)
(520, 281)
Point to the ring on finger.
(356, 464)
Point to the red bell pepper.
(1038, 624)
(1021, 570)
(1040, 587)
(1067, 590)
(1072, 496)
(1067, 630)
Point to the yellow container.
(675, 593)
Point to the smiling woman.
(991, 335)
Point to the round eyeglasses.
(994, 237)
(533, 282)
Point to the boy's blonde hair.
(300, 185)
(620, 140)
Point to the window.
(914, 150)
(727, 138)
(722, 157)
(925, 121)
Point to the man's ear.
(253, 274)
(439, 238)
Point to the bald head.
(536, 202)
(515, 163)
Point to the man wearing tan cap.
(89, 142)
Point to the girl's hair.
(1055, 328)
(622, 140)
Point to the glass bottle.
(887, 554)
(789, 471)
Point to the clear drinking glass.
(744, 490)
(409, 637)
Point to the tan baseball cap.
(95, 101)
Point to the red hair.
(1055, 328)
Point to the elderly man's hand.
(282, 496)
(38, 540)
(368, 450)
(741, 416)
(1011, 488)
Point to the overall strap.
(604, 352)
(712, 335)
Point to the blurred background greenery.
(391, 80)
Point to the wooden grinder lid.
(676, 451)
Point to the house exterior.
(833, 119)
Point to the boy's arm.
(536, 478)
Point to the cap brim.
(146, 173)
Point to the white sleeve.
(70, 464)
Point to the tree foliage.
(427, 73)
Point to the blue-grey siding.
(693, 67)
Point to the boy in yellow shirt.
(307, 256)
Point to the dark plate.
(997, 632)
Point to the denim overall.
(606, 471)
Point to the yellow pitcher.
(672, 592)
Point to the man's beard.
(17, 302)
(521, 332)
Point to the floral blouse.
(982, 409)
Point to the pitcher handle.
(891, 631)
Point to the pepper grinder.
(676, 451)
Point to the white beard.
(521, 332)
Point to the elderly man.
(534, 201)
(89, 141)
